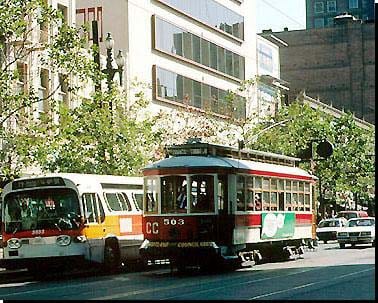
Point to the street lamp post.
(110, 72)
(120, 60)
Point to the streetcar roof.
(226, 163)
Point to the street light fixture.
(120, 60)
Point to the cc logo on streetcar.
(152, 228)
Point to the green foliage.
(349, 168)
(61, 50)
(93, 138)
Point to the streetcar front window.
(151, 195)
(41, 209)
(173, 194)
(202, 193)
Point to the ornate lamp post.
(120, 60)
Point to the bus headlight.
(14, 243)
(80, 239)
(63, 240)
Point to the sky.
(277, 14)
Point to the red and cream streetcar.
(212, 205)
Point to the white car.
(357, 231)
(328, 228)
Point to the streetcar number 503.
(173, 221)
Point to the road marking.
(308, 284)
(187, 285)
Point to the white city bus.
(57, 218)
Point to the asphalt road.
(328, 273)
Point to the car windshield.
(41, 209)
(330, 223)
(361, 222)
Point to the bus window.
(113, 201)
(89, 201)
(202, 193)
(138, 200)
(124, 200)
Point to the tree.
(94, 138)
(349, 168)
(33, 33)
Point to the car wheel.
(342, 245)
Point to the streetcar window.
(202, 193)
(307, 202)
(281, 184)
(273, 201)
(151, 195)
(281, 201)
(265, 199)
(250, 193)
(258, 182)
(294, 201)
(258, 201)
(288, 202)
(301, 201)
(240, 193)
(173, 194)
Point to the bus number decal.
(152, 228)
(174, 221)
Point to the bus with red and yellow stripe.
(56, 219)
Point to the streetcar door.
(225, 220)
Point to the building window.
(173, 87)
(63, 89)
(353, 3)
(177, 41)
(331, 6)
(21, 76)
(212, 13)
(64, 12)
(319, 7)
(86, 16)
(43, 92)
(319, 22)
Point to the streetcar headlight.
(63, 240)
(14, 243)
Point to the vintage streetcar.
(210, 206)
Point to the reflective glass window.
(205, 52)
(213, 56)
(221, 60)
(196, 48)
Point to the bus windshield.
(41, 209)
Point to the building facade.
(320, 14)
(336, 65)
(191, 52)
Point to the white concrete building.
(191, 52)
